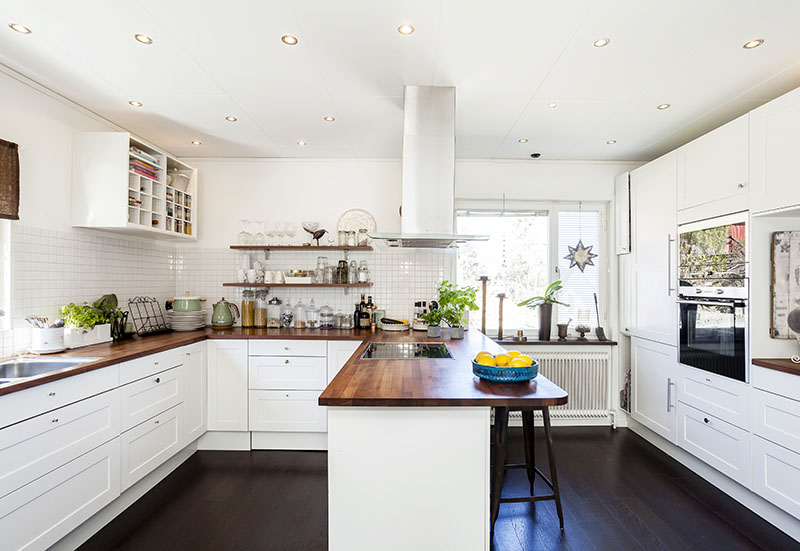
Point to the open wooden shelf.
(298, 248)
(345, 285)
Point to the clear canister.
(299, 320)
(287, 315)
(260, 318)
(312, 316)
(248, 308)
(274, 313)
(326, 318)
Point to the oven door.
(713, 336)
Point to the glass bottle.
(352, 272)
(248, 308)
(299, 320)
(312, 316)
(287, 315)
(322, 264)
(274, 313)
(260, 318)
(326, 319)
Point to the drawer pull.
(286, 361)
(708, 380)
(52, 394)
(155, 363)
(705, 420)
(157, 421)
(54, 420)
(158, 379)
(286, 348)
(287, 395)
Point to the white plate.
(356, 219)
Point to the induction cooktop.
(406, 351)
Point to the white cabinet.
(622, 213)
(283, 347)
(147, 397)
(777, 419)
(653, 274)
(287, 373)
(723, 397)
(227, 385)
(722, 445)
(625, 293)
(195, 378)
(40, 513)
(654, 373)
(715, 167)
(338, 354)
(287, 411)
(774, 163)
(776, 475)
(148, 445)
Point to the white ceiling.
(507, 59)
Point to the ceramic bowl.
(506, 374)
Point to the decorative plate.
(356, 219)
(506, 374)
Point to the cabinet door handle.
(286, 348)
(157, 421)
(670, 240)
(669, 394)
(54, 420)
(740, 185)
(158, 379)
(52, 394)
(286, 361)
(705, 420)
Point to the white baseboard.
(290, 441)
(82, 533)
(224, 441)
(763, 508)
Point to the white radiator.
(585, 376)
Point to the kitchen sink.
(29, 367)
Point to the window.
(525, 252)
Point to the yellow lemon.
(514, 353)
(525, 358)
(484, 354)
(502, 359)
(486, 360)
(516, 362)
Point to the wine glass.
(271, 232)
(260, 238)
(291, 231)
(280, 231)
(244, 237)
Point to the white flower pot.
(76, 338)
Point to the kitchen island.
(409, 446)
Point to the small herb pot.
(434, 331)
(457, 332)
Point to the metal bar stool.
(500, 453)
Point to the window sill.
(556, 342)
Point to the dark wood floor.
(619, 493)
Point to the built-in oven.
(713, 292)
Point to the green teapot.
(225, 313)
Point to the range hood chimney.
(429, 164)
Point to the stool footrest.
(516, 466)
(525, 499)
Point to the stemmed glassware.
(291, 231)
(260, 238)
(271, 233)
(244, 237)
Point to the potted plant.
(455, 302)
(433, 319)
(87, 324)
(545, 304)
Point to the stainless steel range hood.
(429, 164)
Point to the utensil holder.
(47, 341)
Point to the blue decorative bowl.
(506, 374)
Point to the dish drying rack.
(147, 316)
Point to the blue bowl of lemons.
(508, 367)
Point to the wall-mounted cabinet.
(120, 183)
(622, 212)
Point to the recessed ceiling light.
(523, 140)
(405, 28)
(552, 104)
(301, 143)
(601, 42)
(663, 106)
(135, 103)
(22, 29)
(143, 38)
(289, 40)
(197, 142)
(229, 118)
(329, 119)
(753, 44)
(611, 142)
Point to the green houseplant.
(91, 323)
(455, 301)
(545, 304)
(433, 319)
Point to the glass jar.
(341, 272)
(299, 320)
(312, 316)
(287, 315)
(337, 319)
(322, 265)
(274, 313)
(363, 238)
(363, 272)
(351, 239)
(330, 274)
(342, 238)
(260, 318)
(346, 321)
(352, 272)
(248, 308)
(326, 318)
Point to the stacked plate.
(186, 321)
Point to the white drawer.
(776, 475)
(722, 397)
(145, 366)
(147, 397)
(34, 401)
(722, 445)
(281, 347)
(777, 419)
(287, 411)
(777, 382)
(35, 447)
(40, 513)
(148, 445)
(287, 373)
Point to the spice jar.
(312, 316)
(260, 318)
(351, 239)
(363, 238)
(352, 272)
(342, 238)
(326, 318)
(274, 313)
(342, 272)
(299, 321)
(287, 315)
(248, 308)
(363, 272)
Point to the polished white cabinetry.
(653, 273)
(287, 411)
(338, 354)
(722, 445)
(714, 167)
(148, 445)
(133, 370)
(283, 347)
(42, 512)
(722, 397)
(776, 475)
(622, 213)
(145, 398)
(654, 373)
(774, 163)
(195, 376)
(227, 385)
(287, 373)
(777, 418)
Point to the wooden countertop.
(433, 382)
(778, 364)
(555, 342)
(118, 352)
